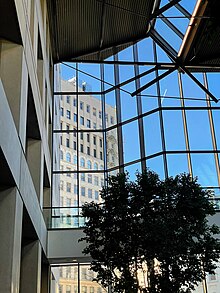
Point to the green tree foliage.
(151, 229)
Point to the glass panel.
(109, 76)
(169, 94)
(173, 129)
(204, 167)
(177, 163)
(89, 108)
(112, 148)
(68, 72)
(145, 50)
(156, 164)
(132, 170)
(131, 142)
(90, 186)
(152, 134)
(213, 80)
(91, 151)
(216, 120)
(199, 130)
(128, 106)
(87, 285)
(192, 90)
(89, 77)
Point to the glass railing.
(63, 217)
(71, 217)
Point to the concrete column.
(11, 210)
(11, 73)
(35, 163)
(31, 268)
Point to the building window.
(61, 140)
(81, 135)
(68, 99)
(61, 184)
(94, 111)
(75, 117)
(61, 287)
(89, 164)
(96, 180)
(61, 125)
(101, 167)
(100, 114)
(83, 177)
(75, 160)
(83, 191)
(101, 156)
(68, 170)
(74, 102)
(88, 108)
(75, 189)
(84, 289)
(68, 157)
(89, 193)
(74, 133)
(94, 153)
(74, 146)
(94, 140)
(81, 148)
(90, 178)
(68, 289)
(61, 111)
(68, 142)
(81, 105)
(91, 290)
(94, 125)
(68, 201)
(82, 162)
(112, 120)
(61, 155)
(68, 114)
(88, 123)
(96, 195)
(68, 187)
(106, 117)
(88, 137)
(95, 166)
(100, 143)
(81, 120)
(67, 127)
(88, 151)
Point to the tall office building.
(154, 102)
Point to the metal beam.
(153, 81)
(171, 52)
(172, 26)
(164, 8)
(163, 44)
(132, 79)
(182, 10)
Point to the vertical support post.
(11, 211)
(139, 110)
